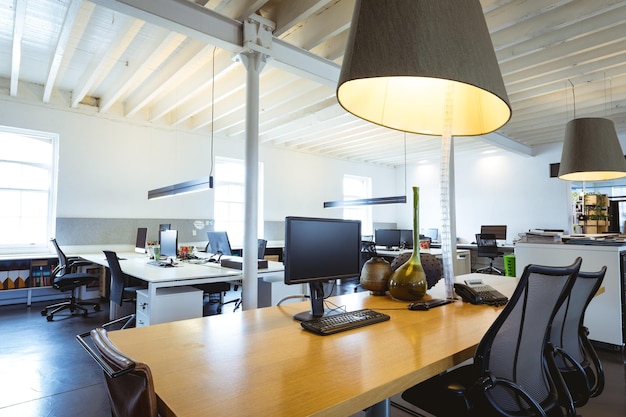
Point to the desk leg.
(380, 409)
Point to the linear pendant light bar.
(192, 186)
(366, 201)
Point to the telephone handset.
(467, 294)
(476, 292)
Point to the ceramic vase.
(375, 275)
(408, 282)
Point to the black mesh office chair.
(261, 246)
(121, 291)
(575, 357)
(65, 278)
(513, 372)
(129, 383)
(488, 248)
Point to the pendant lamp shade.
(591, 151)
(408, 61)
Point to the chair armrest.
(490, 381)
(581, 378)
(553, 372)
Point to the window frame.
(367, 225)
(238, 240)
(53, 170)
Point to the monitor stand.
(316, 288)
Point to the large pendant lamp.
(591, 151)
(427, 67)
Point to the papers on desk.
(163, 264)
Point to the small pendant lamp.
(402, 57)
(591, 151)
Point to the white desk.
(136, 265)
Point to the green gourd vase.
(408, 282)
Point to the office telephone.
(474, 291)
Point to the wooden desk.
(261, 363)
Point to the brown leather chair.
(129, 383)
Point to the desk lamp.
(425, 67)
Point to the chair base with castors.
(489, 270)
(73, 305)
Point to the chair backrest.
(262, 245)
(514, 347)
(62, 267)
(487, 245)
(118, 278)
(568, 333)
(129, 383)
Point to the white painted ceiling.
(109, 57)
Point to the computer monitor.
(169, 243)
(387, 237)
(140, 242)
(498, 231)
(406, 238)
(163, 226)
(433, 234)
(218, 243)
(318, 250)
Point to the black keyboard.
(344, 321)
(490, 295)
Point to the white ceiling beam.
(167, 46)
(16, 53)
(171, 76)
(199, 23)
(288, 14)
(99, 64)
(59, 50)
(502, 142)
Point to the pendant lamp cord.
(573, 96)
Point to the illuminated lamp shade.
(408, 63)
(591, 151)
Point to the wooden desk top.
(261, 363)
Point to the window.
(229, 209)
(358, 188)
(27, 189)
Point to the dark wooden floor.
(45, 372)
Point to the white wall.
(107, 165)
(497, 188)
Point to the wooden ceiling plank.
(61, 45)
(16, 53)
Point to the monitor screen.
(169, 243)
(387, 237)
(140, 242)
(498, 231)
(406, 238)
(433, 234)
(318, 250)
(218, 243)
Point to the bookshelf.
(24, 279)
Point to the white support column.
(257, 44)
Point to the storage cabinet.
(169, 304)
(24, 279)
